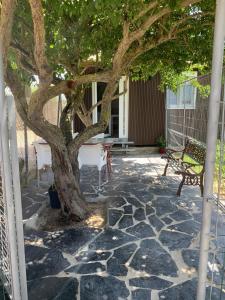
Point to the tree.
(69, 44)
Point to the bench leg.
(180, 186)
(201, 186)
(165, 170)
(99, 180)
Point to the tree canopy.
(84, 34)
(67, 44)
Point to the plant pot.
(162, 150)
(54, 199)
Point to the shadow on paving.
(148, 250)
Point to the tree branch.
(39, 41)
(139, 33)
(7, 12)
(143, 12)
(172, 34)
(112, 99)
(26, 61)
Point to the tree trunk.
(67, 184)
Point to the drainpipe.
(212, 127)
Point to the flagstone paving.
(148, 250)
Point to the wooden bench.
(189, 162)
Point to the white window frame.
(179, 96)
(94, 102)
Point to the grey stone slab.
(42, 262)
(167, 220)
(34, 235)
(163, 206)
(71, 240)
(141, 230)
(105, 288)
(152, 282)
(126, 221)
(29, 211)
(197, 217)
(26, 201)
(86, 268)
(180, 215)
(87, 188)
(149, 210)
(190, 227)
(116, 201)
(129, 179)
(53, 288)
(216, 294)
(69, 292)
(153, 259)
(122, 254)
(134, 202)
(143, 196)
(162, 190)
(91, 197)
(155, 222)
(128, 209)
(115, 268)
(3, 293)
(116, 264)
(39, 197)
(186, 291)
(175, 240)
(140, 294)
(85, 256)
(131, 186)
(110, 239)
(191, 258)
(139, 214)
(112, 193)
(114, 216)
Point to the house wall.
(50, 113)
(146, 119)
(146, 111)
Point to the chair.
(99, 136)
(75, 134)
(93, 155)
(43, 156)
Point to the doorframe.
(123, 107)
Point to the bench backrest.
(195, 150)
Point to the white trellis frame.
(12, 257)
(212, 127)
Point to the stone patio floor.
(149, 249)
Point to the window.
(184, 98)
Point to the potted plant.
(161, 143)
(54, 199)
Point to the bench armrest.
(188, 165)
(170, 152)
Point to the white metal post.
(17, 196)
(9, 177)
(212, 127)
(5, 161)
